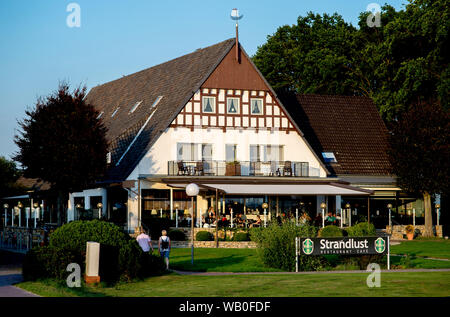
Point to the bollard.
(92, 262)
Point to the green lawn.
(246, 260)
(352, 284)
(217, 260)
(424, 248)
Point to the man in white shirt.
(145, 242)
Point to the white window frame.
(237, 105)
(115, 112)
(136, 105)
(262, 106)
(204, 104)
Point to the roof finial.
(236, 17)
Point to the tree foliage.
(9, 173)
(406, 58)
(62, 141)
(420, 150)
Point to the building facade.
(211, 118)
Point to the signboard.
(344, 246)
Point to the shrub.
(409, 229)
(204, 236)
(276, 246)
(330, 232)
(48, 261)
(241, 236)
(120, 256)
(74, 235)
(177, 235)
(362, 229)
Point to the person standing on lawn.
(145, 242)
(164, 246)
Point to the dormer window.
(115, 111)
(100, 115)
(209, 104)
(155, 103)
(329, 157)
(135, 106)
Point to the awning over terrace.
(283, 189)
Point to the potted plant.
(409, 232)
(233, 168)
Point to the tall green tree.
(420, 153)
(62, 142)
(313, 56)
(404, 59)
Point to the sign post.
(388, 254)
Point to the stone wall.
(398, 232)
(211, 244)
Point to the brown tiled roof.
(348, 126)
(33, 184)
(176, 80)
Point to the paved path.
(314, 272)
(8, 277)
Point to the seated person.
(257, 223)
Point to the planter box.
(233, 170)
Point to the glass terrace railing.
(241, 168)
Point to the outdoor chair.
(198, 169)
(182, 169)
(255, 168)
(286, 170)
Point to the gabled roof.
(348, 126)
(131, 134)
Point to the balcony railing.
(241, 168)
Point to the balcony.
(242, 168)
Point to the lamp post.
(438, 206)
(390, 223)
(77, 207)
(192, 190)
(176, 215)
(6, 206)
(99, 206)
(414, 217)
(35, 206)
(323, 206)
(349, 214)
(20, 205)
(265, 205)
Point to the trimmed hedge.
(177, 235)
(241, 236)
(330, 231)
(204, 236)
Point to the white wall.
(87, 194)
(165, 148)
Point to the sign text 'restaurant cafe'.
(346, 245)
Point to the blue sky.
(38, 49)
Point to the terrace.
(241, 168)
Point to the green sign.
(345, 245)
